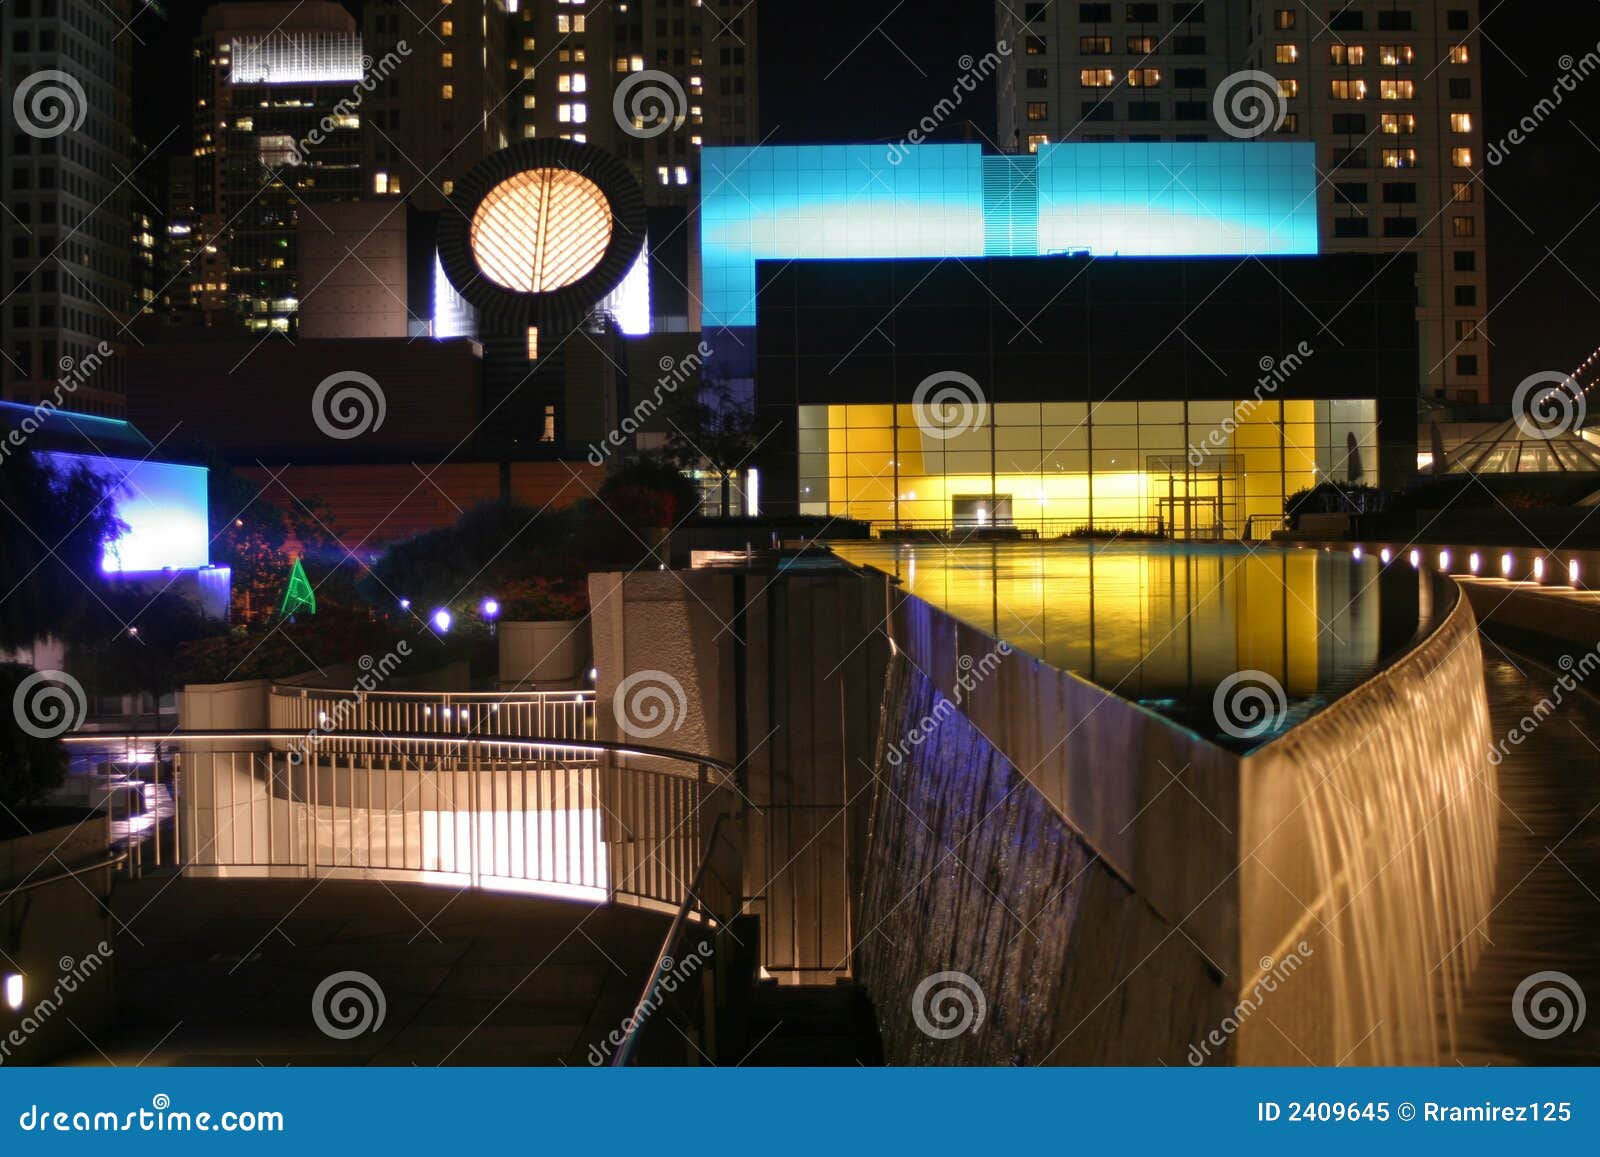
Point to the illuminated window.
(533, 343)
(1347, 53)
(448, 186)
(1399, 158)
(529, 100)
(1462, 191)
(540, 230)
(681, 174)
(1283, 19)
(1143, 45)
(1397, 124)
(1396, 54)
(1464, 226)
(528, 44)
(1396, 89)
(564, 82)
(447, 28)
(1348, 89)
(380, 182)
(637, 64)
(447, 60)
(1461, 122)
(1097, 78)
(1286, 53)
(1288, 89)
(1461, 158)
(1094, 45)
(1038, 110)
(447, 91)
(1461, 54)
(1144, 77)
(1037, 139)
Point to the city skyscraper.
(1389, 92)
(275, 134)
(65, 172)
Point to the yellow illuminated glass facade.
(1193, 469)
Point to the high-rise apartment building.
(1390, 92)
(440, 106)
(276, 133)
(653, 83)
(64, 181)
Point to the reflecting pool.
(1167, 625)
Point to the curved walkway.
(222, 972)
(1547, 896)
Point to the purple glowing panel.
(164, 506)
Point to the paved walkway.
(227, 968)
(1547, 896)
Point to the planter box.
(550, 655)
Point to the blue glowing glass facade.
(827, 202)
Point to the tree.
(257, 538)
(30, 764)
(57, 523)
(714, 429)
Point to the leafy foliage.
(29, 766)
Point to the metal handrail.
(642, 1009)
(70, 874)
(531, 742)
(293, 691)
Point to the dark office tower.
(277, 132)
(64, 161)
(438, 104)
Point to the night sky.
(861, 70)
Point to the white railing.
(622, 824)
(327, 714)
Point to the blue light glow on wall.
(830, 202)
(163, 504)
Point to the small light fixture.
(1572, 572)
(1385, 556)
(1444, 561)
(1507, 564)
(442, 620)
(405, 604)
(489, 609)
(594, 674)
(1538, 570)
(1356, 554)
(13, 990)
(1473, 562)
(1416, 559)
